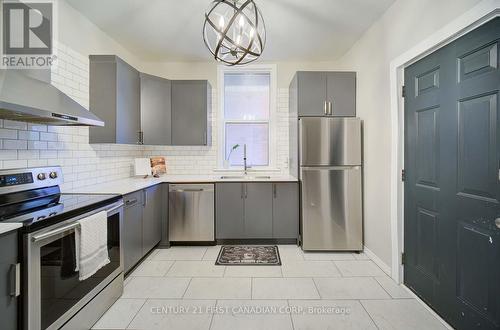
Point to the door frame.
(481, 13)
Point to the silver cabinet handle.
(145, 202)
(274, 190)
(246, 191)
(131, 201)
(330, 113)
(325, 111)
(15, 280)
(242, 190)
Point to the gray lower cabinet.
(257, 210)
(8, 262)
(142, 223)
(115, 98)
(132, 230)
(152, 218)
(324, 93)
(229, 210)
(156, 110)
(285, 210)
(191, 106)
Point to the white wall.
(405, 23)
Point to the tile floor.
(182, 288)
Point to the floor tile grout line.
(375, 279)
(338, 269)
(169, 268)
(135, 315)
(316, 286)
(290, 314)
(371, 318)
(189, 283)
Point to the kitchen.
(276, 193)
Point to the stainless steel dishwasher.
(191, 212)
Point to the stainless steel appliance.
(52, 294)
(330, 173)
(191, 213)
(36, 100)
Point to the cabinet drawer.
(133, 199)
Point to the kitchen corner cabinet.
(257, 210)
(322, 93)
(115, 98)
(156, 110)
(9, 270)
(191, 107)
(142, 223)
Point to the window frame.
(221, 121)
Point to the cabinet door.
(128, 116)
(341, 93)
(132, 230)
(285, 210)
(155, 110)
(311, 93)
(151, 218)
(258, 210)
(8, 259)
(229, 211)
(189, 112)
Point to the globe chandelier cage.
(234, 31)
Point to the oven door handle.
(67, 227)
(55, 232)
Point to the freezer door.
(332, 217)
(329, 141)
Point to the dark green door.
(452, 191)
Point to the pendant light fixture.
(234, 31)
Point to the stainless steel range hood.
(24, 98)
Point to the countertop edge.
(8, 227)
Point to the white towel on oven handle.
(91, 242)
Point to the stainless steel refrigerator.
(330, 171)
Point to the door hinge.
(403, 258)
(403, 91)
(403, 175)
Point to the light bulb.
(221, 22)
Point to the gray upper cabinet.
(115, 98)
(341, 93)
(132, 230)
(258, 210)
(311, 88)
(229, 210)
(156, 110)
(151, 218)
(191, 106)
(8, 269)
(321, 93)
(286, 210)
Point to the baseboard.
(436, 315)
(377, 261)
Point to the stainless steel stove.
(53, 296)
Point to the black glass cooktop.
(44, 211)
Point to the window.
(246, 116)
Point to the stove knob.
(53, 175)
(41, 176)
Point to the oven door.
(54, 292)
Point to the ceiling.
(297, 30)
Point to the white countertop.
(126, 186)
(6, 227)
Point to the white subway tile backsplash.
(8, 133)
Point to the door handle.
(497, 222)
(131, 201)
(15, 280)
